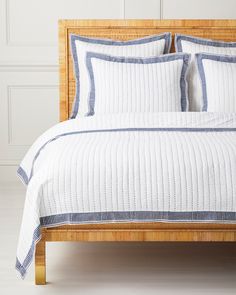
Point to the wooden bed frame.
(125, 30)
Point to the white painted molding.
(123, 8)
(9, 103)
(161, 9)
(9, 162)
(10, 42)
(9, 177)
(24, 90)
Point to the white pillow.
(218, 78)
(195, 45)
(126, 84)
(148, 46)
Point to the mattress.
(158, 167)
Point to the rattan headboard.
(125, 30)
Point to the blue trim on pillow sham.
(73, 38)
(136, 60)
(215, 57)
(201, 41)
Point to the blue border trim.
(111, 216)
(201, 41)
(215, 57)
(22, 268)
(136, 60)
(23, 176)
(73, 38)
(121, 216)
(168, 129)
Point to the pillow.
(195, 45)
(218, 78)
(148, 46)
(131, 84)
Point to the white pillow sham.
(218, 79)
(193, 45)
(122, 85)
(148, 46)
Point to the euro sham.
(193, 45)
(148, 46)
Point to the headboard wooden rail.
(125, 30)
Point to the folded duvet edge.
(25, 179)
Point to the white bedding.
(129, 167)
(194, 45)
(124, 84)
(146, 47)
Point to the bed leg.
(40, 261)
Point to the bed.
(129, 231)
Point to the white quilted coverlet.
(135, 167)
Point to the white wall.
(29, 98)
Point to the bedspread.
(177, 167)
